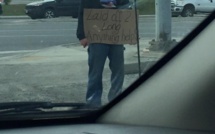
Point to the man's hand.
(84, 42)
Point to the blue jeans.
(97, 55)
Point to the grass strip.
(13, 10)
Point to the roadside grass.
(13, 10)
(146, 7)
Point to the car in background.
(187, 8)
(1, 11)
(52, 8)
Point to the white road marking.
(3, 31)
(13, 36)
(19, 51)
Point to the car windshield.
(81, 55)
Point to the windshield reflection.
(41, 59)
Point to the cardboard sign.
(110, 26)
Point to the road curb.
(133, 68)
(141, 16)
(14, 17)
(27, 17)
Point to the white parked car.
(187, 8)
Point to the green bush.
(7, 2)
(146, 7)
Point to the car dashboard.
(100, 129)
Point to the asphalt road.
(27, 34)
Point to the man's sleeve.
(124, 2)
(80, 29)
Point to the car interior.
(175, 96)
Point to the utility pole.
(163, 23)
(163, 20)
(138, 43)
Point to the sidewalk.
(59, 73)
(77, 56)
(14, 17)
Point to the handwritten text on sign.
(111, 26)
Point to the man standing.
(97, 55)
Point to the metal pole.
(163, 20)
(138, 43)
